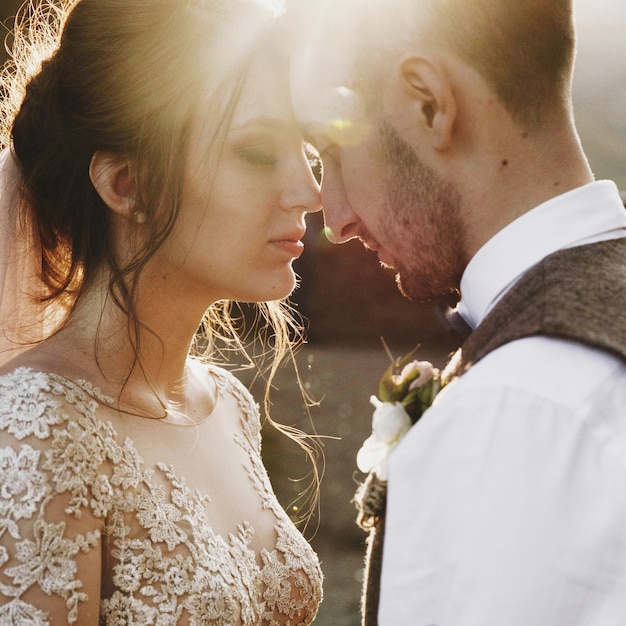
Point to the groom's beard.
(423, 220)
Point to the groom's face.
(375, 186)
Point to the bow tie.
(454, 323)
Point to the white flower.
(427, 371)
(389, 424)
(390, 421)
(423, 370)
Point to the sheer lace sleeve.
(90, 533)
(51, 477)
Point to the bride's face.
(242, 218)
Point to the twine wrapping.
(370, 500)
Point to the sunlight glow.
(336, 114)
(600, 85)
(276, 6)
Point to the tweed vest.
(577, 294)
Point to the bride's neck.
(100, 340)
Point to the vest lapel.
(577, 293)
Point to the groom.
(449, 149)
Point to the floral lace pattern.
(164, 563)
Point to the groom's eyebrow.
(308, 134)
(314, 133)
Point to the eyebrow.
(309, 134)
(265, 122)
(314, 134)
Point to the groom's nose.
(340, 221)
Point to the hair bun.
(37, 125)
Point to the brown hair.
(524, 49)
(123, 77)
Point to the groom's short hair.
(524, 49)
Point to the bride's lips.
(290, 243)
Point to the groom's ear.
(114, 177)
(425, 100)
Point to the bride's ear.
(114, 177)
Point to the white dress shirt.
(507, 500)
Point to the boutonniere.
(405, 391)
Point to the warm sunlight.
(599, 80)
(600, 85)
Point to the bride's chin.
(282, 288)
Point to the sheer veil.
(24, 319)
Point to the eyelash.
(259, 157)
(256, 156)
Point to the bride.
(153, 172)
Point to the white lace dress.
(75, 493)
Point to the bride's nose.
(302, 191)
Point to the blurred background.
(351, 302)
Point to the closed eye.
(256, 155)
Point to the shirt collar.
(593, 212)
